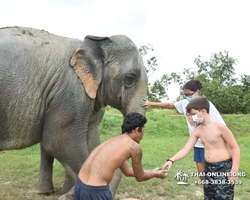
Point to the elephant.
(54, 90)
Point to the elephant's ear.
(88, 64)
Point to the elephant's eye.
(129, 80)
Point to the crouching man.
(97, 171)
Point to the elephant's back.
(31, 36)
(30, 57)
(29, 52)
(20, 44)
(32, 61)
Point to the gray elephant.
(53, 90)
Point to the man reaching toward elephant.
(97, 171)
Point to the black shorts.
(89, 192)
(216, 185)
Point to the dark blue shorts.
(217, 186)
(199, 154)
(89, 192)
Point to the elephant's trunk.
(115, 182)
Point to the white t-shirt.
(213, 112)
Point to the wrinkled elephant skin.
(53, 91)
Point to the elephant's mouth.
(122, 107)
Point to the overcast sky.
(178, 30)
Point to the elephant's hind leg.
(46, 171)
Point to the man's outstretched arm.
(183, 152)
(139, 173)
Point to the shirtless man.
(222, 153)
(97, 171)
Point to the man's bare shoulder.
(198, 130)
(223, 128)
(220, 125)
(134, 146)
(125, 141)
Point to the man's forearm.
(236, 159)
(148, 174)
(159, 104)
(181, 154)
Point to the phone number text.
(219, 182)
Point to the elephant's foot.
(45, 190)
(69, 195)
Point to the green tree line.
(229, 92)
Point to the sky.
(179, 30)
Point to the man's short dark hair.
(132, 121)
(198, 103)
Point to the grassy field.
(166, 133)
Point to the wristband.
(170, 161)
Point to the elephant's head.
(112, 72)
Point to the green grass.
(166, 133)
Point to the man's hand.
(169, 164)
(233, 177)
(160, 173)
(145, 103)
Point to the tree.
(156, 90)
(151, 61)
(219, 68)
(245, 80)
(219, 82)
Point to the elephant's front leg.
(93, 137)
(46, 170)
(94, 140)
